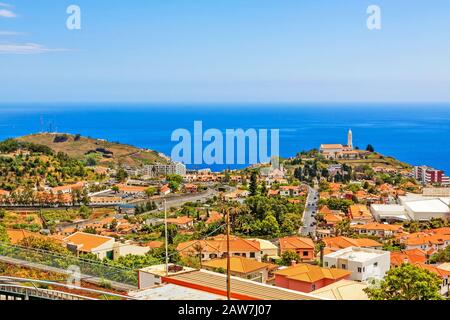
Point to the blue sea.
(417, 134)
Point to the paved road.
(179, 200)
(308, 219)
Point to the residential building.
(97, 200)
(304, 247)
(338, 243)
(290, 191)
(241, 267)
(68, 188)
(426, 241)
(164, 190)
(429, 175)
(131, 190)
(268, 249)
(363, 263)
(411, 256)
(161, 169)
(80, 242)
(378, 229)
(183, 222)
(216, 247)
(102, 246)
(307, 277)
(359, 214)
(343, 290)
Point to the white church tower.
(350, 139)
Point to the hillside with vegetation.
(94, 151)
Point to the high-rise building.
(429, 175)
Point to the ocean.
(416, 134)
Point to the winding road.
(308, 219)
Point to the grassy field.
(16, 220)
(377, 160)
(78, 149)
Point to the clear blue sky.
(225, 51)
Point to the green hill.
(104, 152)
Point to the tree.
(288, 256)
(343, 227)
(298, 174)
(263, 188)
(370, 148)
(172, 231)
(407, 282)
(3, 235)
(121, 175)
(269, 226)
(320, 246)
(441, 256)
(253, 184)
(150, 191)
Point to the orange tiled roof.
(180, 220)
(154, 244)
(378, 226)
(440, 272)
(214, 216)
(359, 211)
(409, 256)
(325, 210)
(311, 273)
(337, 243)
(125, 188)
(219, 244)
(86, 241)
(332, 218)
(295, 243)
(237, 264)
(77, 185)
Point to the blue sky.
(223, 51)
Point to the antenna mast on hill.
(228, 255)
(165, 233)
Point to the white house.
(102, 246)
(290, 191)
(362, 262)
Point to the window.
(313, 287)
(343, 266)
(359, 269)
(326, 264)
(252, 254)
(375, 264)
(305, 253)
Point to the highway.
(308, 219)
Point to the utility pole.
(166, 238)
(228, 255)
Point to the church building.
(339, 151)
